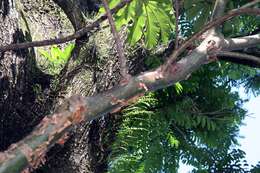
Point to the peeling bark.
(78, 108)
(30, 152)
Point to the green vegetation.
(195, 122)
(152, 20)
(56, 57)
(198, 126)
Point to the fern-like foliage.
(198, 12)
(152, 20)
(241, 25)
(167, 126)
(144, 140)
(195, 122)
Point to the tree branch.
(250, 4)
(218, 11)
(76, 35)
(208, 26)
(70, 8)
(239, 58)
(242, 42)
(29, 153)
(118, 41)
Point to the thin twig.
(176, 53)
(179, 130)
(176, 8)
(118, 41)
(214, 113)
(71, 37)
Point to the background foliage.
(56, 57)
(149, 20)
(196, 121)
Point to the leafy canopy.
(196, 121)
(169, 126)
(152, 20)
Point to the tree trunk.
(24, 87)
(88, 148)
(18, 75)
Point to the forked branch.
(230, 15)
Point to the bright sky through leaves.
(251, 141)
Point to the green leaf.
(57, 58)
(164, 22)
(55, 53)
(198, 119)
(124, 15)
(141, 168)
(152, 20)
(136, 30)
(152, 30)
(67, 52)
(178, 88)
(208, 122)
(235, 75)
(193, 11)
(203, 122)
(213, 126)
(189, 4)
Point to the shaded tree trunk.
(18, 75)
(88, 148)
(20, 108)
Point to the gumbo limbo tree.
(195, 121)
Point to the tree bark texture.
(18, 75)
(22, 106)
(88, 147)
